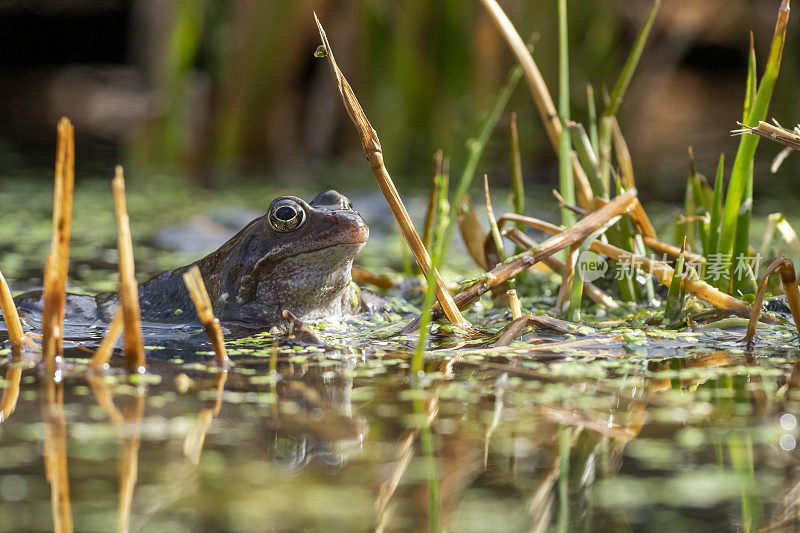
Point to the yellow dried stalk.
(372, 149)
(623, 155)
(10, 315)
(128, 288)
(785, 269)
(104, 352)
(672, 250)
(199, 294)
(56, 268)
(513, 303)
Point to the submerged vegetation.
(601, 344)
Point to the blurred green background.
(230, 90)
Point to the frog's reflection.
(313, 420)
(310, 416)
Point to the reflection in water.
(702, 442)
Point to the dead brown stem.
(128, 288)
(785, 269)
(10, 315)
(372, 149)
(199, 294)
(56, 268)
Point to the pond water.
(629, 428)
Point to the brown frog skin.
(297, 257)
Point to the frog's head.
(296, 257)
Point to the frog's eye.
(286, 215)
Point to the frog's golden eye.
(286, 215)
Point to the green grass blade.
(566, 184)
(517, 184)
(631, 63)
(592, 113)
(716, 211)
(750, 90)
(674, 305)
(443, 217)
(743, 163)
(586, 156)
(741, 280)
(618, 93)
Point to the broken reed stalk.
(56, 267)
(577, 233)
(372, 149)
(199, 294)
(538, 88)
(513, 304)
(661, 271)
(10, 315)
(785, 269)
(104, 352)
(772, 132)
(128, 288)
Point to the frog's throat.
(248, 284)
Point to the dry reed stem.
(104, 352)
(513, 303)
(472, 232)
(642, 221)
(541, 95)
(772, 132)
(56, 268)
(197, 290)
(362, 276)
(567, 276)
(785, 269)
(673, 250)
(661, 271)
(589, 289)
(372, 149)
(128, 288)
(623, 155)
(564, 239)
(10, 315)
(55, 455)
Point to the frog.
(297, 257)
